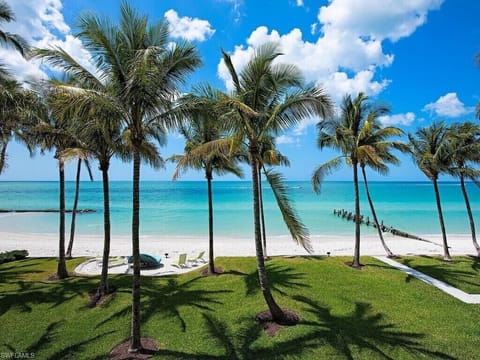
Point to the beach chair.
(198, 258)
(182, 261)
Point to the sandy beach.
(46, 245)
(42, 245)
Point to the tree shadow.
(238, 344)
(34, 293)
(362, 329)
(48, 338)
(443, 271)
(279, 278)
(170, 298)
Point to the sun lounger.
(112, 261)
(198, 258)
(182, 261)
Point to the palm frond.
(297, 229)
(324, 170)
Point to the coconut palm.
(203, 126)
(431, 154)
(464, 153)
(343, 134)
(268, 98)
(68, 254)
(374, 151)
(55, 133)
(144, 70)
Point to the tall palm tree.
(430, 152)
(68, 254)
(203, 126)
(144, 71)
(55, 133)
(269, 97)
(374, 151)
(465, 157)
(343, 134)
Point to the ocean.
(179, 209)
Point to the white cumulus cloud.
(448, 105)
(398, 119)
(41, 23)
(187, 27)
(349, 48)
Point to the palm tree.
(56, 134)
(268, 98)
(343, 134)
(144, 70)
(464, 154)
(203, 126)
(68, 254)
(374, 151)
(430, 152)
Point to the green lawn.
(375, 313)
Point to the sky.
(417, 56)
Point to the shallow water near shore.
(180, 208)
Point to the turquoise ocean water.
(180, 208)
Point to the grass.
(462, 273)
(375, 313)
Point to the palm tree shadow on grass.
(168, 299)
(48, 337)
(362, 329)
(444, 272)
(279, 278)
(236, 345)
(55, 294)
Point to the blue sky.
(418, 56)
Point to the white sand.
(42, 245)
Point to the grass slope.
(375, 313)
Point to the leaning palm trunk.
(275, 310)
(104, 289)
(446, 253)
(68, 255)
(470, 215)
(356, 253)
(3, 155)
(135, 341)
(374, 215)
(262, 213)
(211, 263)
(62, 266)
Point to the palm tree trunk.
(262, 214)
(62, 266)
(374, 214)
(135, 344)
(3, 155)
(275, 310)
(211, 263)
(68, 255)
(446, 253)
(103, 289)
(356, 253)
(470, 215)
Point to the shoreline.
(46, 245)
